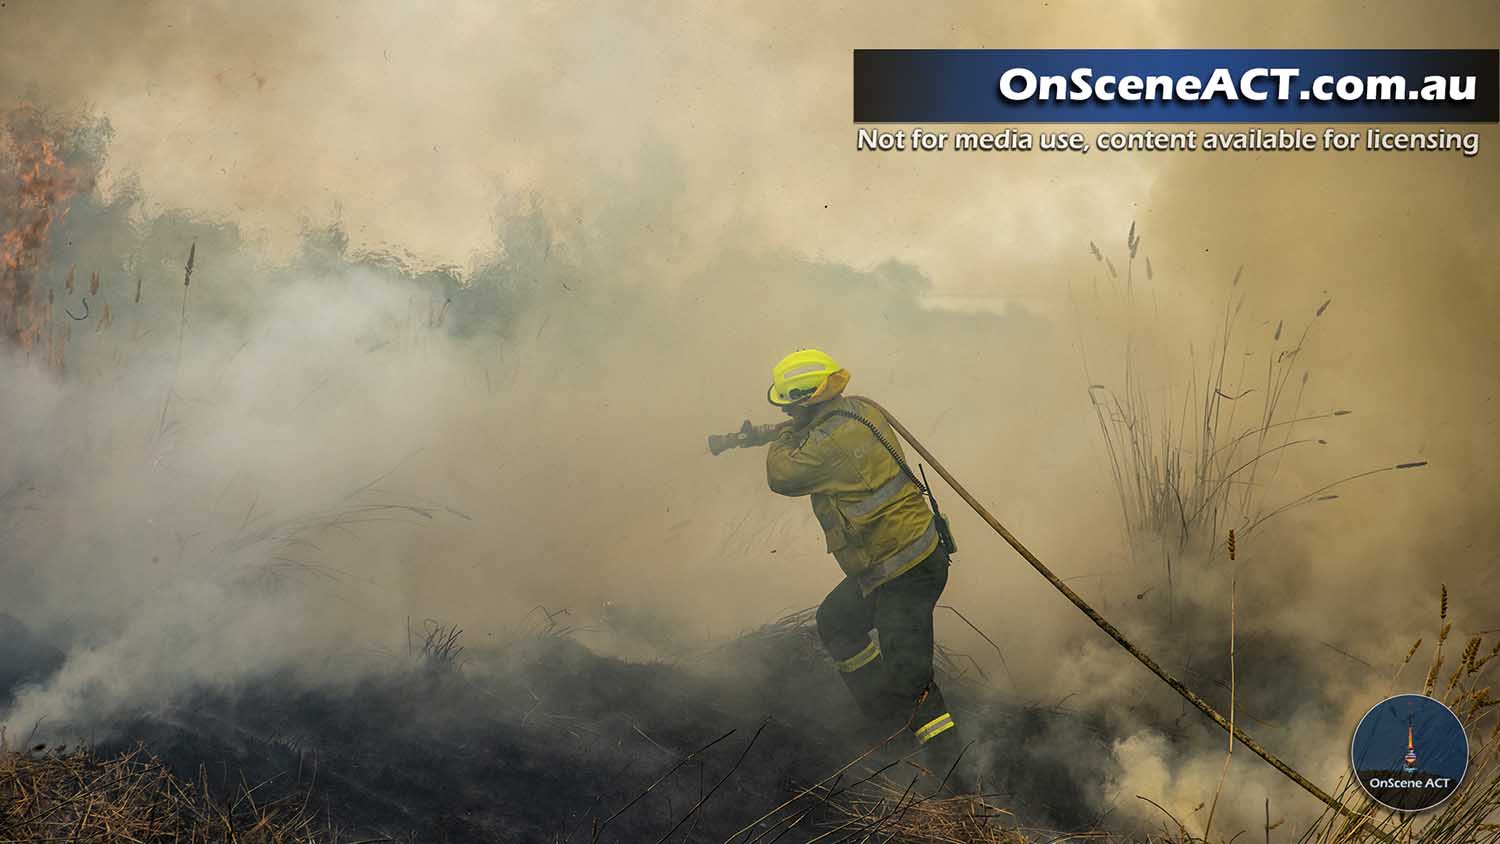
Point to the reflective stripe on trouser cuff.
(873, 502)
(900, 561)
(936, 726)
(861, 659)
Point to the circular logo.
(1409, 752)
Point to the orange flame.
(43, 183)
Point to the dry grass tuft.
(436, 646)
(1192, 458)
(890, 812)
(80, 797)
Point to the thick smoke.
(398, 444)
(620, 235)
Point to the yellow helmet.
(799, 375)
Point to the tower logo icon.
(1410, 759)
(1409, 753)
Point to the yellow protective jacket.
(875, 519)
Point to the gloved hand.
(747, 436)
(762, 434)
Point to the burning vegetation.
(38, 183)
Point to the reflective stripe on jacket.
(875, 519)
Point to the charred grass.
(547, 740)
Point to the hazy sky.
(415, 118)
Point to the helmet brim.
(774, 399)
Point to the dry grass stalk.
(1465, 663)
(1229, 754)
(1484, 660)
(1432, 673)
(1412, 650)
(1437, 656)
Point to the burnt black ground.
(23, 657)
(539, 742)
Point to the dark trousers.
(882, 644)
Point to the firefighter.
(876, 624)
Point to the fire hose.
(751, 435)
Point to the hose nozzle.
(748, 436)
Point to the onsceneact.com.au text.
(1257, 84)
